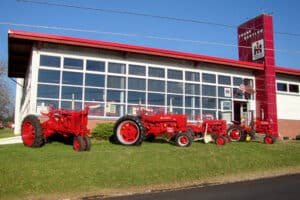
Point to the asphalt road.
(283, 188)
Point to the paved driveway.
(11, 140)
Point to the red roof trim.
(287, 71)
(130, 48)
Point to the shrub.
(103, 130)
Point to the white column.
(18, 115)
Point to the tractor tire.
(220, 140)
(32, 132)
(236, 134)
(183, 139)
(87, 142)
(129, 131)
(269, 139)
(78, 143)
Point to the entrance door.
(240, 111)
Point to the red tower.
(256, 44)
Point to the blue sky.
(286, 17)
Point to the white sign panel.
(258, 49)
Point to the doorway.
(240, 111)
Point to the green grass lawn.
(6, 132)
(57, 169)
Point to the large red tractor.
(66, 123)
(133, 130)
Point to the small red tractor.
(66, 123)
(256, 129)
(133, 130)
(210, 130)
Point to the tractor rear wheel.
(32, 132)
(183, 139)
(87, 142)
(129, 131)
(78, 143)
(220, 140)
(235, 134)
(269, 139)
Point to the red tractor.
(66, 123)
(210, 130)
(256, 129)
(133, 130)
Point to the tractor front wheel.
(235, 133)
(269, 139)
(32, 132)
(78, 143)
(129, 131)
(183, 139)
(220, 140)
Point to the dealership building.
(117, 79)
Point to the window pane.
(237, 81)
(93, 94)
(237, 93)
(175, 100)
(68, 105)
(49, 61)
(73, 63)
(176, 110)
(191, 101)
(43, 105)
(225, 80)
(114, 110)
(193, 114)
(136, 84)
(96, 109)
(94, 80)
(282, 87)
(137, 70)
(175, 87)
(116, 82)
(48, 91)
(117, 68)
(67, 92)
(209, 90)
(98, 66)
(156, 72)
(192, 89)
(209, 113)
(192, 76)
(209, 102)
(49, 76)
(174, 74)
(209, 78)
(115, 96)
(156, 85)
(224, 92)
(156, 99)
(72, 78)
(136, 97)
(225, 105)
(293, 88)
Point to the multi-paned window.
(114, 88)
(288, 87)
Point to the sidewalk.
(11, 140)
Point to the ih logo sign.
(258, 50)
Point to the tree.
(6, 101)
